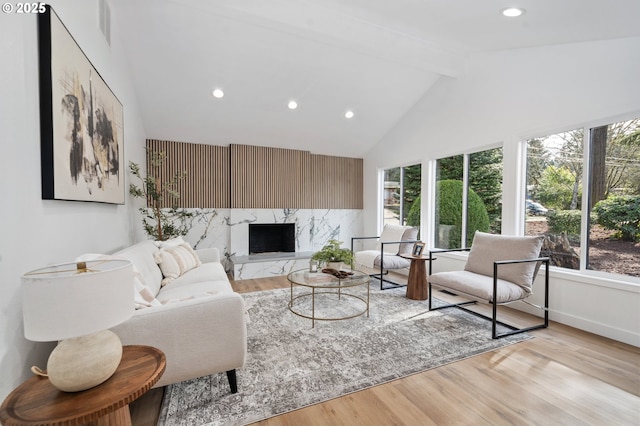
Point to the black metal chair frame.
(494, 318)
(382, 273)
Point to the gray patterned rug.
(291, 365)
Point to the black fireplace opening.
(272, 238)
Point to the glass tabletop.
(321, 280)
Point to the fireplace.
(272, 237)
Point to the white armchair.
(392, 242)
(500, 269)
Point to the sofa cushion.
(143, 297)
(392, 262)
(170, 243)
(477, 286)
(142, 256)
(488, 248)
(174, 293)
(213, 271)
(176, 261)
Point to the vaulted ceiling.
(376, 58)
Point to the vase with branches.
(159, 221)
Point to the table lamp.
(76, 304)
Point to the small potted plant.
(333, 256)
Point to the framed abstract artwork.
(81, 122)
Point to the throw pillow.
(168, 265)
(391, 233)
(174, 262)
(488, 248)
(410, 234)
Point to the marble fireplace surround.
(228, 231)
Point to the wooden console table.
(38, 402)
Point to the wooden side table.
(37, 401)
(417, 288)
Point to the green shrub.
(413, 218)
(620, 214)
(564, 221)
(449, 193)
(556, 188)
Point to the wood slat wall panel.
(263, 177)
(207, 182)
(337, 182)
(244, 176)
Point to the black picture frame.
(418, 248)
(81, 122)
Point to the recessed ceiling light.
(513, 12)
(292, 105)
(348, 114)
(218, 93)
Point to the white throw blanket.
(367, 257)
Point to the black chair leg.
(383, 280)
(233, 383)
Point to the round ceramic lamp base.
(81, 363)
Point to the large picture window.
(556, 206)
(554, 194)
(401, 195)
(613, 207)
(468, 197)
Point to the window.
(555, 204)
(468, 197)
(614, 198)
(554, 194)
(401, 195)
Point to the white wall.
(503, 98)
(36, 232)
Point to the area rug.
(291, 365)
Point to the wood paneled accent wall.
(244, 176)
(207, 183)
(269, 178)
(336, 182)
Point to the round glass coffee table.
(340, 300)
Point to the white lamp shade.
(59, 302)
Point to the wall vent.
(104, 17)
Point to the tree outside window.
(468, 199)
(613, 206)
(555, 191)
(554, 194)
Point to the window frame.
(381, 198)
(466, 155)
(522, 146)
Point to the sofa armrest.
(207, 255)
(199, 337)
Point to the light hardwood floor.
(563, 376)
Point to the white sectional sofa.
(196, 319)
